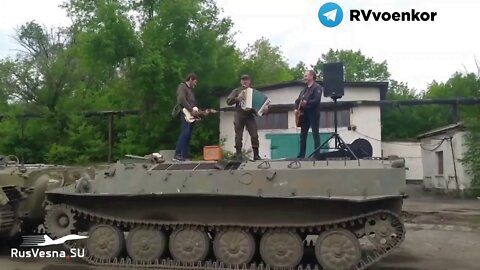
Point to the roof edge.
(382, 85)
(442, 130)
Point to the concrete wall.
(446, 181)
(411, 151)
(365, 118)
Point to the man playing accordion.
(244, 118)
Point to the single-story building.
(442, 150)
(411, 151)
(280, 138)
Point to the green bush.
(471, 158)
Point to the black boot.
(238, 154)
(255, 154)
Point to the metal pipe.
(455, 113)
(110, 137)
(440, 101)
(454, 164)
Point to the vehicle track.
(369, 257)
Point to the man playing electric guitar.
(307, 111)
(186, 100)
(199, 115)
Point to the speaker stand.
(339, 142)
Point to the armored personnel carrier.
(235, 215)
(22, 192)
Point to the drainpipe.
(454, 164)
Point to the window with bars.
(439, 162)
(277, 120)
(327, 119)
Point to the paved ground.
(442, 233)
(424, 208)
(423, 249)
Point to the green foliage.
(81, 144)
(469, 85)
(402, 122)
(265, 63)
(298, 71)
(108, 60)
(471, 157)
(358, 67)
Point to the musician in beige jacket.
(243, 118)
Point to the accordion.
(254, 100)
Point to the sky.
(416, 52)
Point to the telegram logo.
(330, 14)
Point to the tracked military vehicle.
(235, 215)
(22, 192)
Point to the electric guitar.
(190, 118)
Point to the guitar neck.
(209, 111)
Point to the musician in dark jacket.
(243, 118)
(186, 99)
(309, 103)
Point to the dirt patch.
(66, 267)
(442, 219)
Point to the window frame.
(327, 118)
(263, 122)
(440, 162)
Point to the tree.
(358, 67)
(299, 70)
(35, 82)
(265, 63)
(401, 122)
(186, 36)
(138, 63)
(41, 73)
(467, 85)
(471, 157)
(82, 144)
(110, 60)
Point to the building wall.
(433, 179)
(411, 151)
(288, 95)
(365, 118)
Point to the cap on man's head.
(245, 77)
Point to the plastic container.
(212, 152)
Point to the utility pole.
(110, 118)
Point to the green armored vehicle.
(22, 192)
(235, 215)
